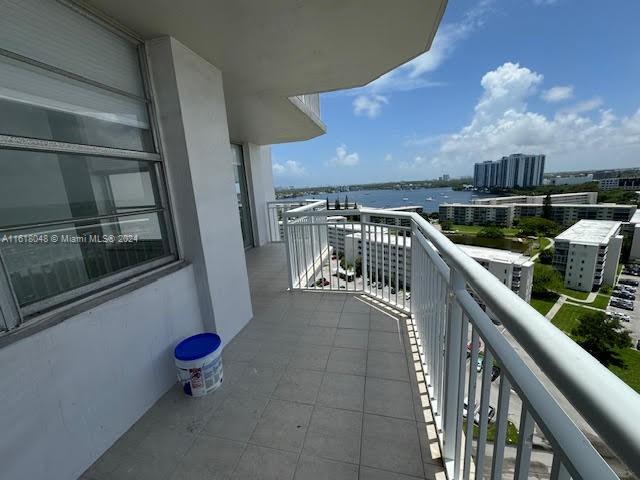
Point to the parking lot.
(634, 324)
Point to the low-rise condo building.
(587, 254)
(570, 198)
(505, 215)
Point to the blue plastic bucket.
(199, 363)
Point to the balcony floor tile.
(317, 386)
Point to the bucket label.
(195, 375)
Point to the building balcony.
(344, 380)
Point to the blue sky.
(559, 77)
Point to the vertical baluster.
(502, 420)
(485, 394)
(471, 402)
(314, 276)
(397, 273)
(558, 470)
(462, 363)
(404, 269)
(525, 442)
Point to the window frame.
(12, 316)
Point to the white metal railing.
(275, 216)
(456, 337)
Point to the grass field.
(600, 302)
(631, 373)
(474, 229)
(567, 318)
(543, 305)
(572, 293)
(512, 432)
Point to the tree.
(546, 256)
(336, 205)
(446, 225)
(534, 226)
(547, 211)
(346, 202)
(601, 336)
(545, 281)
(491, 232)
(328, 203)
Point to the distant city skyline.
(555, 88)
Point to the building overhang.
(270, 51)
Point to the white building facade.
(515, 170)
(587, 254)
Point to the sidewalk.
(552, 312)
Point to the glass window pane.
(54, 34)
(41, 187)
(242, 195)
(36, 103)
(44, 262)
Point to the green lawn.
(543, 305)
(567, 318)
(631, 373)
(540, 244)
(512, 432)
(475, 229)
(572, 293)
(600, 302)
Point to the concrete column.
(260, 183)
(195, 139)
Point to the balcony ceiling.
(278, 48)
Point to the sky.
(557, 77)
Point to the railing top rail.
(604, 400)
(600, 397)
(307, 208)
(290, 202)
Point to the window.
(82, 199)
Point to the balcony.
(369, 378)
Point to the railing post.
(363, 240)
(287, 244)
(452, 353)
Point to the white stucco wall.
(261, 191)
(612, 260)
(68, 392)
(195, 137)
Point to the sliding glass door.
(243, 195)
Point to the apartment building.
(515, 170)
(624, 183)
(569, 179)
(587, 254)
(148, 123)
(505, 215)
(567, 214)
(466, 214)
(578, 198)
(513, 269)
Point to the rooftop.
(495, 255)
(593, 232)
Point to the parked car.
(491, 414)
(495, 372)
(625, 306)
(624, 288)
(625, 295)
(629, 281)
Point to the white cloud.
(289, 168)
(583, 107)
(369, 105)
(558, 93)
(343, 158)
(388, 157)
(415, 73)
(575, 138)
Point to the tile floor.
(317, 386)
